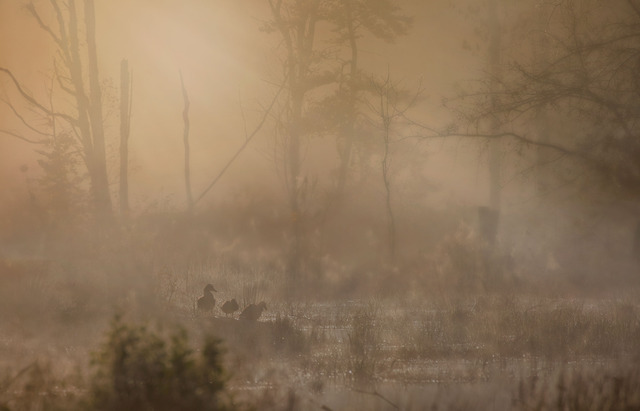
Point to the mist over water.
(325, 204)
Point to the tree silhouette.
(77, 77)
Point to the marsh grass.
(452, 351)
(593, 388)
(38, 387)
(364, 345)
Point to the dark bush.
(137, 369)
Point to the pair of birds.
(207, 303)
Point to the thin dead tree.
(390, 106)
(125, 129)
(489, 216)
(187, 149)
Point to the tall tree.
(584, 86)
(351, 20)
(389, 104)
(75, 40)
(309, 65)
(296, 23)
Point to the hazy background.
(228, 65)
(231, 69)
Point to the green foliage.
(138, 369)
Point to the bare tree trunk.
(187, 150)
(543, 154)
(100, 181)
(72, 50)
(495, 191)
(636, 243)
(391, 222)
(293, 185)
(125, 126)
(349, 126)
(386, 118)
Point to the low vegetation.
(455, 352)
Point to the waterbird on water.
(207, 303)
(230, 307)
(252, 312)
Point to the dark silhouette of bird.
(252, 312)
(230, 307)
(207, 303)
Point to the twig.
(20, 137)
(377, 394)
(7, 384)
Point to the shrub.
(138, 369)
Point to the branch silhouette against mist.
(387, 109)
(594, 163)
(247, 140)
(588, 83)
(21, 137)
(33, 101)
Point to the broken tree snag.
(100, 181)
(636, 242)
(187, 171)
(125, 127)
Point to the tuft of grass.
(364, 345)
(288, 338)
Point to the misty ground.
(455, 329)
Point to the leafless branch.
(377, 394)
(34, 102)
(634, 6)
(23, 138)
(7, 384)
(32, 10)
(244, 145)
(23, 120)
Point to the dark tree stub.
(636, 242)
(488, 223)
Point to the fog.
(435, 201)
